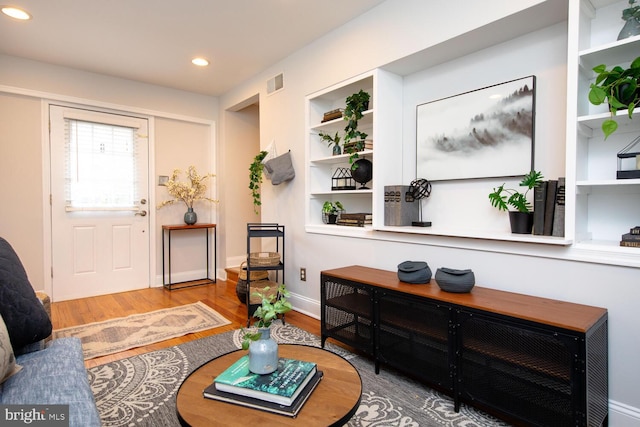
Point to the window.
(101, 170)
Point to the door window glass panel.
(100, 166)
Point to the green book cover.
(281, 386)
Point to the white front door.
(99, 203)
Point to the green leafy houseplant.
(332, 208)
(255, 179)
(356, 104)
(619, 87)
(268, 311)
(502, 198)
(632, 12)
(331, 140)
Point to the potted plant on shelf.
(631, 16)
(263, 350)
(356, 104)
(331, 210)
(255, 179)
(522, 218)
(620, 88)
(332, 140)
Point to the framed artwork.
(484, 133)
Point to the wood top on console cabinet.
(566, 315)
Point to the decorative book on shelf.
(281, 386)
(355, 219)
(332, 115)
(354, 146)
(631, 239)
(292, 410)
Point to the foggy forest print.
(484, 133)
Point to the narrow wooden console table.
(167, 229)
(528, 360)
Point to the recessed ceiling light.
(200, 62)
(16, 13)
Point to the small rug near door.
(115, 335)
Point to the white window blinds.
(100, 166)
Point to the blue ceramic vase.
(190, 217)
(263, 353)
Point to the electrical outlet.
(303, 274)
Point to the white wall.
(389, 32)
(182, 133)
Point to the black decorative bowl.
(456, 281)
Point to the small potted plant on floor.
(522, 217)
(263, 350)
(331, 210)
(620, 88)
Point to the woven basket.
(255, 275)
(264, 258)
(258, 286)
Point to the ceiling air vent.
(275, 84)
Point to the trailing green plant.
(502, 198)
(619, 87)
(272, 305)
(332, 208)
(255, 179)
(356, 104)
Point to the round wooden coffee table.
(332, 403)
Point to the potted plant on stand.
(522, 218)
(331, 210)
(263, 350)
(620, 88)
(187, 192)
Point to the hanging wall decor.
(484, 133)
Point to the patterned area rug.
(115, 335)
(140, 390)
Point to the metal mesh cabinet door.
(347, 312)
(413, 336)
(521, 370)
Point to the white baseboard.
(305, 305)
(623, 415)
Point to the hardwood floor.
(220, 296)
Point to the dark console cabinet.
(529, 360)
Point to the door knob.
(142, 213)
(143, 201)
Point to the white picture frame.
(484, 133)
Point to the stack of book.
(355, 146)
(284, 391)
(632, 238)
(548, 208)
(355, 219)
(332, 115)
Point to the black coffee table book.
(282, 392)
